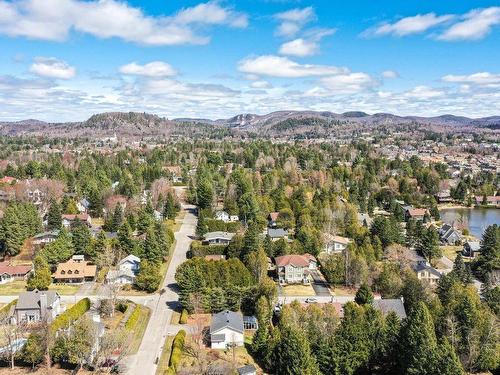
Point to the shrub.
(71, 315)
(6, 308)
(184, 317)
(133, 318)
(177, 348)
(121, 307)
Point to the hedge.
(6, 308)
(184, 317)
(133, 318)
(177, 348)
(71, 315)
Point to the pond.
(476, 219)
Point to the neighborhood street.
(163, 305)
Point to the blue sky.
(67, 59)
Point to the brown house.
(75, 270)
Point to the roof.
(31, 300)
(250, 319)
(474, 245)
(5, 267)
(74, 270)
(417, 212)
(214, 235)
(54, 233)
(277, 232)
(292, 259)
(246, 370)
(425, 267)
(130, 258)
(115, 274)
(385, 306)
(81, 217)
(339, 239)
(226, 319)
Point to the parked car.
(311, 300)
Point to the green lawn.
(19, 286)
(165, 356)
(139, 328)
(298, 290)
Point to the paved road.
(319, 299)
(163, 305)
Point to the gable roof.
(246, 370)
(227, 319)
(385, 306)
(277, 232)
(73, 269)
(214, 235)
(421, 266)
(7, 268)
(292, 259)
(274, 216)
(31, 300)
(131, 258)
(417, 212)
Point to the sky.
(64, 60)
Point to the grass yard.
(165, 356)
(138, 328)
(451, 251)
(19, 286)
(298, 290)
(343, 291)
(65, 289)
(134, 292)
(176, 316)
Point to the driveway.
(319, 284)
(162, 305)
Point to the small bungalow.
(277, 233)
(70, 219)
(10, 273)
(215, 257)
(225, 217)
(226, 329)
(471, 248)
(45, 237)
(218, 238)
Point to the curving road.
(163, 305)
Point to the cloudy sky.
(67, 59)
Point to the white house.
(226, 330)
(225, 217)
(427, 273)
(45, 237)
(127, 269)
(336, 244)
(130, 262)
(218, 238)
(295, 268)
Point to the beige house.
(294, 268)
(427, 273)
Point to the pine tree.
(364, 295)
(151, 247)
(204, 192)
(54, 219)
(41, 278)
(82, 239)
(117, 219)
(418, 343)
(447, 360)
(171, 207)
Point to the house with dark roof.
(386, 306)
(45, 237)
(218, 238)
(449, 235)
(471, 248)
(427, 273)
(226, 329)
(36, 306)
(294, 268)
(277, 233)
(247, 370)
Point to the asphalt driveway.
(319, 284)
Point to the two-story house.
(336, 244)
(36, 306)
(294, 268)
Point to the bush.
(198, 250)
(184, 317)
(71, 315)
(6, 308)
(133, 318)
(177, 348)
(121, 307)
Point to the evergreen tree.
(171, 207)
(204, 192)
(447, 360)
(428, 244)
(418, 343)
(149, 277)
(364, 295)
(117, 219)
(54, 219)
(489, 257)
(125, 240)
(41, 278)
(82, 240)
(151, 246)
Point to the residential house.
(471, 248)
(386, 306)
(218, 238)
(272, 219)
(83, 205)
(215, 257)
(335, 244)
(250, 323)
(75, 270)
(449, 235)
(70, 219)
(277, 233)
(225, 217)
(491, 200)
(175, 173)
(247, 370)
(427, 273)
(415, 213)
(9, 273)
(44, 238)
(36, 306)
(295, 268)
(126, 271)
(226, 329)
(444, 197)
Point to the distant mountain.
(280, 123)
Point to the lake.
(476, 219)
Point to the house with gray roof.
(247, 370)
(218, 238)
(427, 273)
(226, 329)
(36, 306)
(386, 306)
(277, 233)
(471, 248)
(449, 235)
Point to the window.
(70, 272)
(63, 272)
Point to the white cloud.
(293, 20)
(475, 25)
(260, 85)
(152, 69)
(348, 83)
(276, 66)
(390, 74)
(52, 68)
(424, 93)
(409, 25)
(480, 79)
(54, 19)
(299, 47)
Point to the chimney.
(43, 305)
